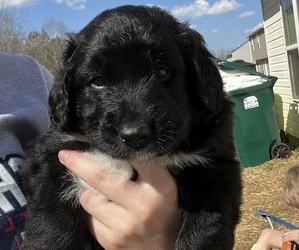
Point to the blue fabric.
(12, 203)
(24, 88)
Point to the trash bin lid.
(257, 80)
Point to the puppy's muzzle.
(135, 136)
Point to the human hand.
(292, 235)
(140, 214)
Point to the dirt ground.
(262, 190)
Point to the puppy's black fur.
(138, 85)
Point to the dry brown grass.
(262, 190)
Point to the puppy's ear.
(203, 78)
(60, 97)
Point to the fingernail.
(134, 175)
(63, 155)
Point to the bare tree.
(36, 45)
(221, 54)
(46, 46)
(55, 28)
(57, 32)
(12, 28)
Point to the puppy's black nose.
(135, 136)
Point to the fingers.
(101, 208)
(101, 179)
(112, 225)
(74, 161)
(150, 181)
(127, 214)
(122, 238)
(292, 235)
(82, 167)
(105, 235)
(159, 179)
(151, 172)
(105, 182)
(149, 190)
(154, 174)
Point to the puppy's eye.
(163, 73)
(99, 82)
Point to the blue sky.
(225, 24)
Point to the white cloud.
(193, 26)
(254, 28)
(11, 3)
(247, 14)
(75, 4)
(202, 7)
(157, 5)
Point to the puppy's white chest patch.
(123, 169)
(120, 168)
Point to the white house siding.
(278, 64)
(242, 53)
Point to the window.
(258, 45)
(252, 44)
(293, 59)
(291, 30)
(289, 21)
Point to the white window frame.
(252, 43)
(294, 86)
(258, 41)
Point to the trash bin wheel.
(281, 151)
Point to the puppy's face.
(131, 97)
(126, 84)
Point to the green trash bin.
(256, 131)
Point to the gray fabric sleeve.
(24, 89)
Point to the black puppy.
(137, 85)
